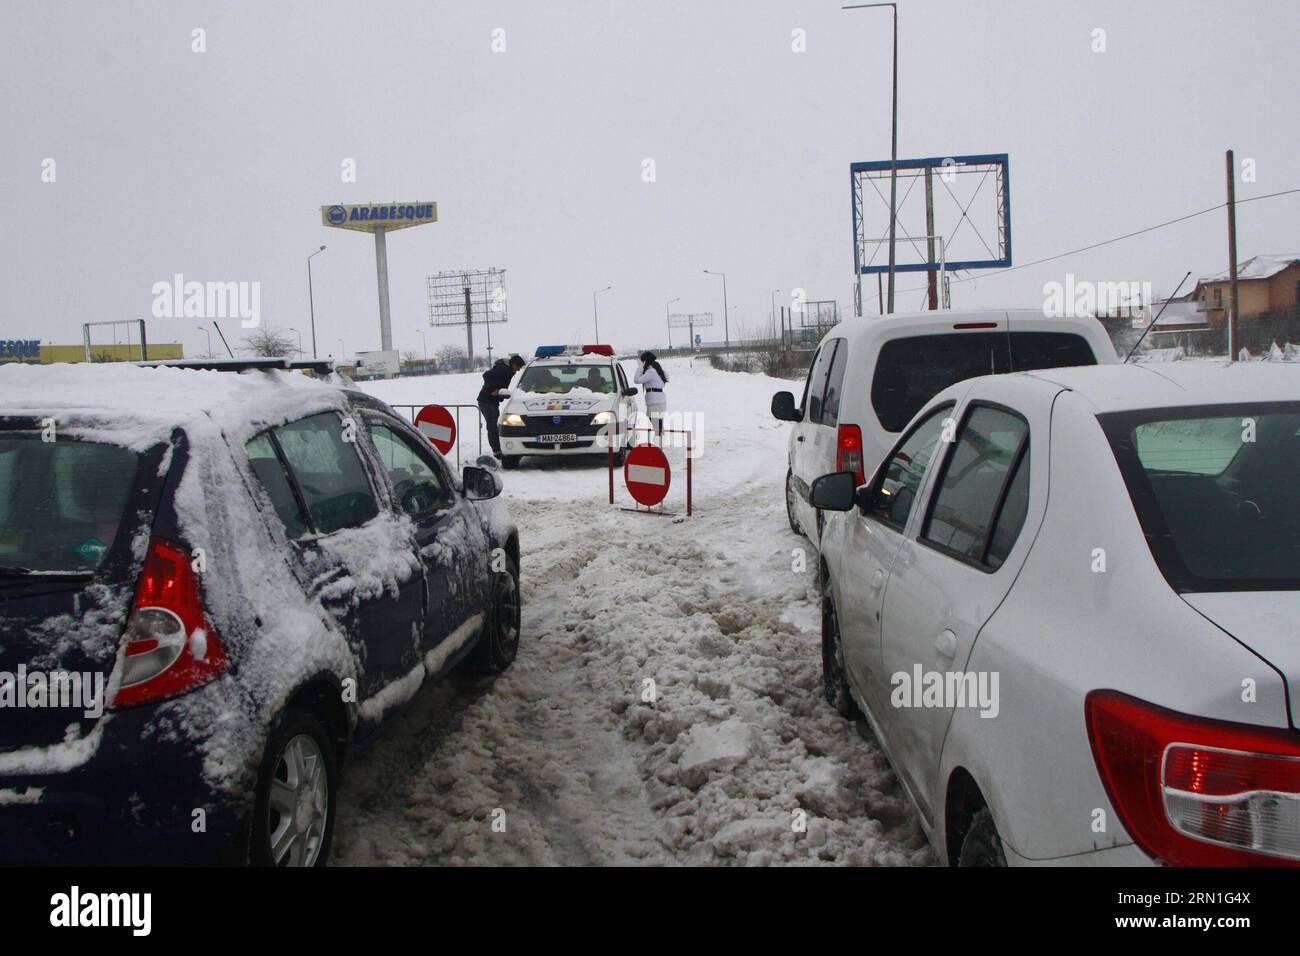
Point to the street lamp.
(726, 327)
(668, 315)
(311, 301)
(426, 344)
(595, 314)
(893, 150)
(343, 351)
(206, 331)
(299, 334)
(774, 292)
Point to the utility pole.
(893, 148)
(930, 278)
(1233, 334)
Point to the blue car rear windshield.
(61, 502)
(1214, 488)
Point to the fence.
(413, 410)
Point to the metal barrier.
(455, 409)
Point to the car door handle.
(946, 645)
(798, 438)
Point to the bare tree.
(451, 358)
(267, 342)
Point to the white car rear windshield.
(911, 371)
(1214, 488)
(62, 502)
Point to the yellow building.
(1264, 284)
(32, 351)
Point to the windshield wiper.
(15, 571)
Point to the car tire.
(499, 642)
(789, 503)
(510, 461)
(293, 813)
(982, 846)
(835, 684)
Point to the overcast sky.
(215, 164)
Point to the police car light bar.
(546, 351)
(599, 350)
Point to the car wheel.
(789, 503)
(293, 819)
(510, 461)
(499, 642)
(835, 684)
(982, 845)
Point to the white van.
(870, 376)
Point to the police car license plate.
(556, 439)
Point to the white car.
(869, 377)
(1066, 603)
(569, 401)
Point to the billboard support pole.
(381, 270)
(469, 328)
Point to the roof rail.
(322, 366)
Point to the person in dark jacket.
(490, 398)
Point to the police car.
(569, 400)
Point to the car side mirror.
(480, 484)
(783, 407)
(629, 392)
(835, 492)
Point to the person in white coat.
(652, 378)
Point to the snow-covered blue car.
(212, 582)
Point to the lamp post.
(726, 326)
(208, 332)
(343, 351)
(774, 292)
(299, 334)
(311, 301)
(425, 338)
(668, 315)
(595, 314)
(893, 148)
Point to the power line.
(1107, 242)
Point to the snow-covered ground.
(574, 750)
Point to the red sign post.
(437, 425)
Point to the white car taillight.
(1197, 792)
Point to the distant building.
(32, 352)
(1264, 284)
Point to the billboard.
(367, 217)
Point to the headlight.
(513, 420)
(603, 418)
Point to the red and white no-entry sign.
(647, 475)
(437, 425)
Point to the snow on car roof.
(142, 404)
(1113, 388)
